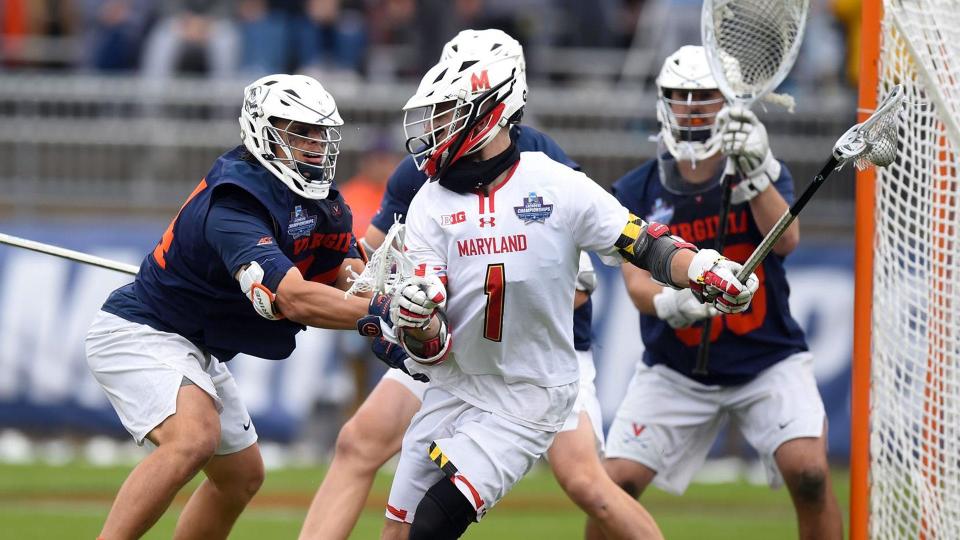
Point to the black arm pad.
(650, 247)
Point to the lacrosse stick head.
(873, 141)
(751, 44)
(387, 266)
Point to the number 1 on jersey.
(494, 287)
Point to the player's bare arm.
(641, 288)
(316, 304)
(767, 208)
(372, 239)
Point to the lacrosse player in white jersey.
(373, 435)
(495, 242)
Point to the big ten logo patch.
(335, 241)
(453, 219)
(479, 81)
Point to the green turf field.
(71, 502)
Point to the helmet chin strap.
(687, 153)
(464, 176)
(310, 173)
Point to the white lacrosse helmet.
(472, 43)
(478, 87)
(688, 135)
(291, 125)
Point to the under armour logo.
(488, 221)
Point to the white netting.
(915, 387)
(752, 44)
(874, 141)
(387, 266)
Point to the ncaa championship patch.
(301, 223)
(661, 212)
(533, 209)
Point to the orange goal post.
(905, 441)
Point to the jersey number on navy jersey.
(159, 252)
(494, 287)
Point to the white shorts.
(586, 400)
(484, 455)
(668, 422)
(141, 370)
(415, 387)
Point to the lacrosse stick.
(872, 142)
(751, 45)
(387, 266)
(68, 254)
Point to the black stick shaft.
(703, 351)
(784, 222)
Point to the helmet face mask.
(449, 130)
(291, 125)
(309, 149)
(687, 105)
(478, 87)
(691, 118)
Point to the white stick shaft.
(68, 254)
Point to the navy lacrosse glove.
(377, 325)
(377, 321)
(394, 356)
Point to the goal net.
(914, 421)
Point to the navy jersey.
(406, 181)
(744, 344)
(238, 213)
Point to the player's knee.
(809, 484)
(632, 486)
(630, 477)
(361, 447)
(251, 480)
(585, 490)
(192, 453)
(443, 513)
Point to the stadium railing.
(90, 142)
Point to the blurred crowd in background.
(372, 39)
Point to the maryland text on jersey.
(491, 245)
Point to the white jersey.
(511, 259)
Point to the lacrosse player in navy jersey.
(373, 434)
(760, 373)
(260, 250)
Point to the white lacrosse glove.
(586, 275)
(416, 300)
(713, 280)
(744, 139)
(681, 308)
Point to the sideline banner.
(45, 386)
